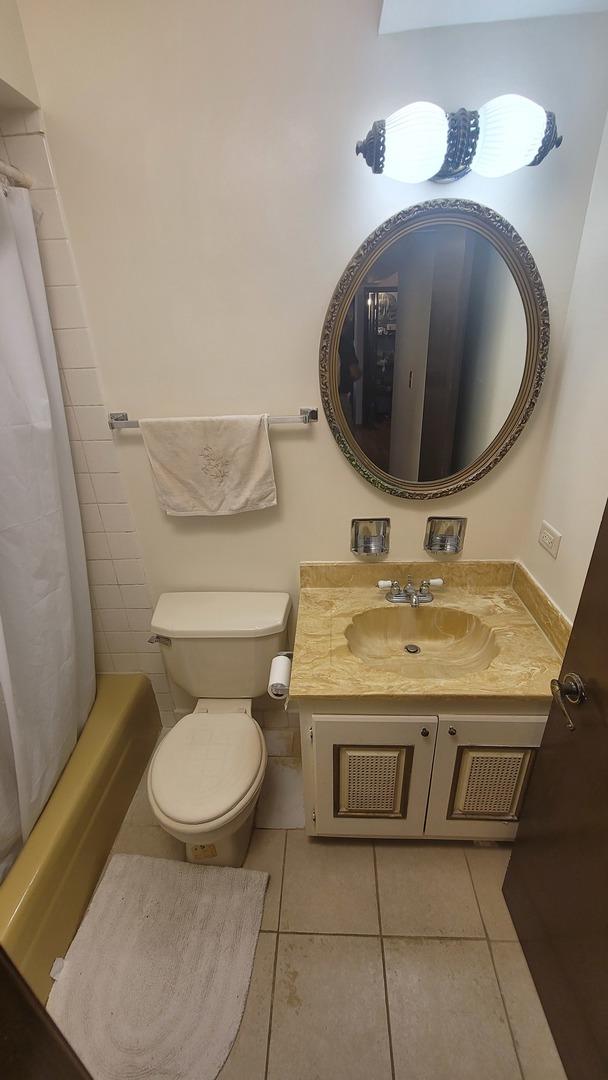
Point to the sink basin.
(447, 641)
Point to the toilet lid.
(205, 765)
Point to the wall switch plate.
(549, 538)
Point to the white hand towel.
(211, 464)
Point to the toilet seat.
(207, 769)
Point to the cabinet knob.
(425, 732)
(451, 731)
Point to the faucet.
(408, 594)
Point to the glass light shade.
(416, 140)
(511, 129)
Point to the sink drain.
(412, 648)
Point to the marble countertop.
(324, 667)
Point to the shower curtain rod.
(14, 176)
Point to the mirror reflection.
(432, 352)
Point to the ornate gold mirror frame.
(519, 259)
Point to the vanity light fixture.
(422, 142)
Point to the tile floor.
(379, 961)
(281, 802)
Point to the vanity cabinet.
(481, 769)
(371, 774)
(401, 776)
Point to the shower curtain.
(47, 677)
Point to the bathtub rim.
(46, 892)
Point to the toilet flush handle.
(159, 639)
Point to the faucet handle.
(430, 583)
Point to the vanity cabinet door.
(480, 774)
(371, 774)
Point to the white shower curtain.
(47, 677)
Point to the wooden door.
(31, 1046)
(557, 882)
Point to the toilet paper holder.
(279, 678)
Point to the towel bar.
(119, 420)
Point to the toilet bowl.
(205, 776)
(204, 781)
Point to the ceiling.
(398, 15)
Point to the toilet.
(205, 776)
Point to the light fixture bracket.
(463, 133)
(373, 145)
(550, 139)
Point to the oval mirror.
(434, 348)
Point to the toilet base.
(229, 850)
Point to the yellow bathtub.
(46, 892)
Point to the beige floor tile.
(329, 1016)
(247, 1059)
(533, 1039)
(329, 886)
(148, 840)
(279, 742)
(447, 1017)
(140, 812)
(266, 852)
(425, 891)
(272, 719)
(488, 868)
(281, 804)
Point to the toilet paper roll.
(279, 676)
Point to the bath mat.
(155, 982)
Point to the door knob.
(571, 690)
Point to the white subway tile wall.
(30, 155)
(57, 262)
(83, 387)
(46, 207)
(74, 347)
(65, 303)
(116, 517)
(119, 594)
(100, 457)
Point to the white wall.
(17, 86)
(205, 152)
(397, 15)
(573, 484)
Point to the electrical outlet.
(549, 538)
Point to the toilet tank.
(220, 644)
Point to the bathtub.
(47, 890)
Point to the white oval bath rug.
(155, 982)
